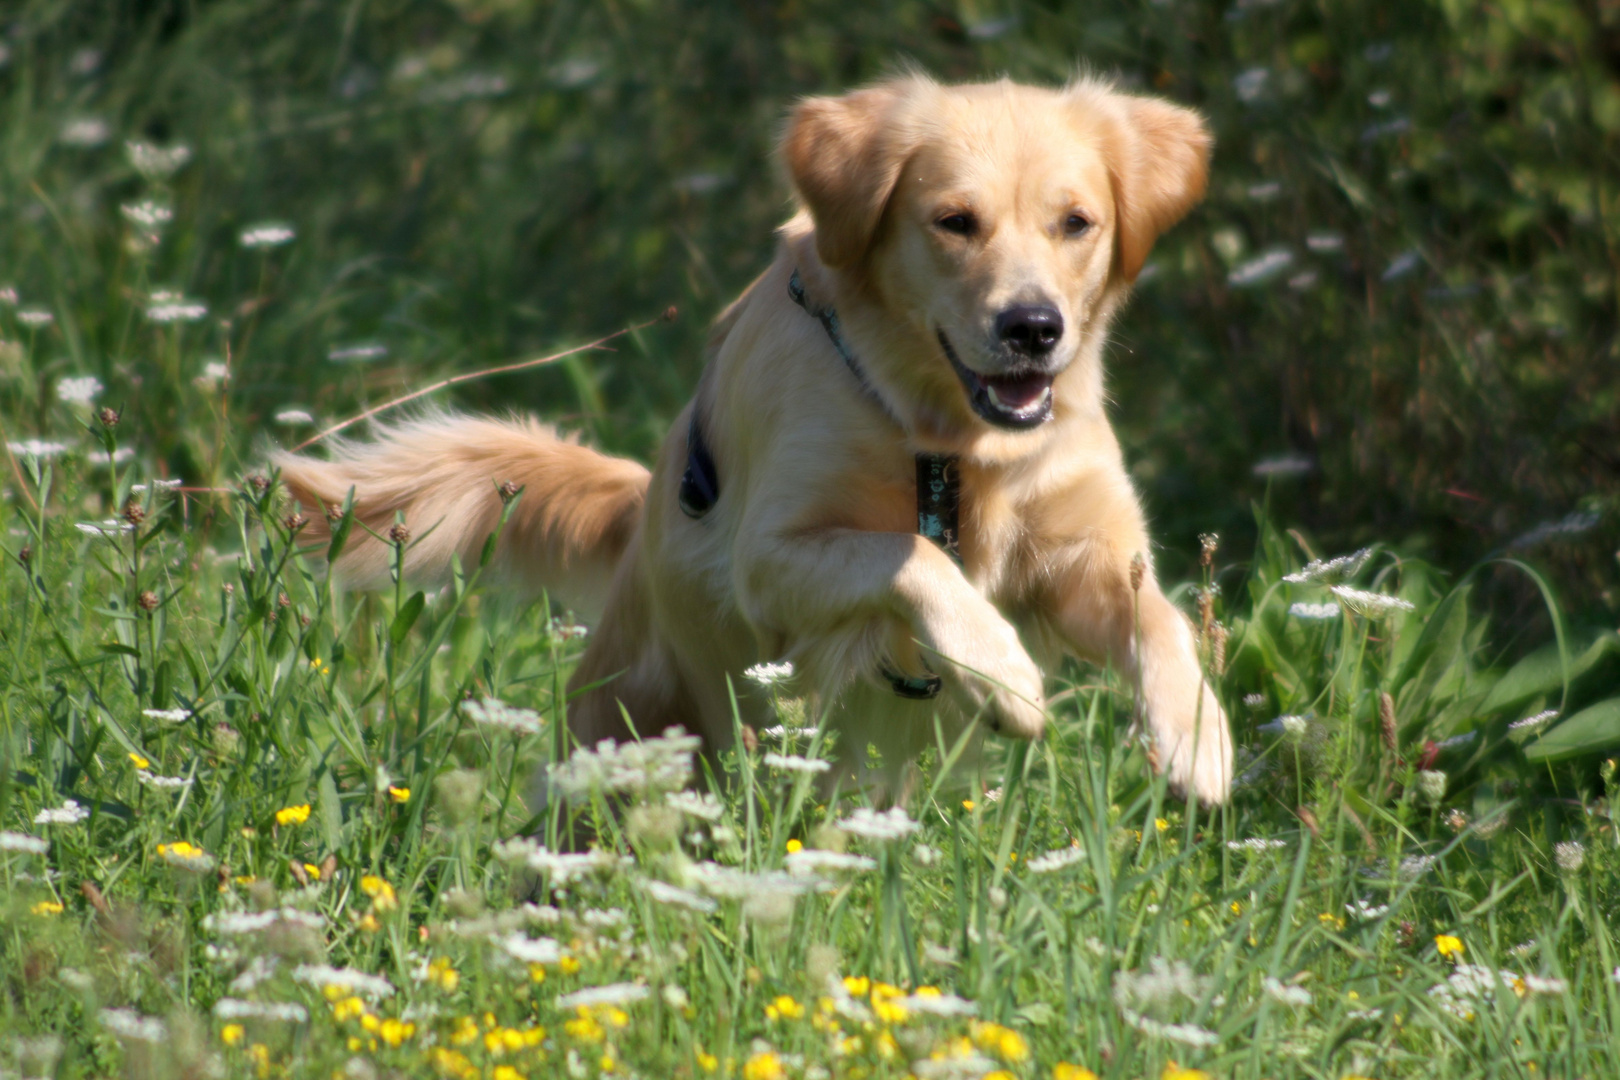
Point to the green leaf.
(331, 809)
(121, 650)
(1542, 672)
(406, 618)
(1594, 728)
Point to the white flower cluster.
(1370, 604)
(703, 806)
(492, 712)
(131, 1025)
(675, 896)
(78, 390)
(37, 448)
(891, 824)
(938, 1004)
(1056, 860)
(105, 530)
(1330, 571)
(1295, 727)
(530, 950)
(769, 674)
(149, 215)
(163, 783)
(1362, 911)
(1303, 610)
(1286, 993)
(1159, 987)
(1255, 843)
(69, 813)
(236, 1009)
(810, 861)
(168, 716)
(233, 923)
(1470, 982)
(1535, 721)
(321, 976)
(268, 234)
(157, 162)
(614, 994)
(168, 306)
(16, 841)
(560, 867)
(294, 417)
(633, 768)
(795, 763)
(1570, 855)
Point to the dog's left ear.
(1159, 170)
(844, 155)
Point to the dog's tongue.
(1018, 392)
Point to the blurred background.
(1394, 318)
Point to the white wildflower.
(260, 969)
(891, 824)
(1187, 1034)
(769, 674)
(561, 867)
(160, 485)
(347, 353)
(1254, 701)
(1415, 866)
(795, 763)
(704, 806)
(1431, 784)
(938, 1004)
(530, 950)
(784, 732)
(1255, 843)
(214, 373)
(1570, 855)
(321, 976)
(157, 162)
(106, 530)
(612, 994)
(1303, 610)
(675, 997)
(236, 1009)
(1544, 984)
(1330, 571)
(117, 457)
(69, 813)
(809, 861)
(1470, 982)
(1324, 243)
(164, 783)
(37, 448)
(563, 630)
(294, 417)
(1260, 269)
(659, 764)
(674, 896)
(1250, 83)
(14, 841)
(729, 883)
(79, 390)
(149, 215)
(492, 712)
(1571, 524)
(168, 306)
(1283, 465)
(1289, 995)
(85, 132)
(168, 716)
(34, 318)
(1363, 911)
(1370, 604)
(1535, 721)
(1161, 984)
(129, 1024)
(233, 923)
(267, 235)
(1523, 949)
(1056, 860)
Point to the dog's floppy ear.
(1159, 169)
(844, 155)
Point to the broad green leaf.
(1594, 728)
(1542, 672)
(406, 618)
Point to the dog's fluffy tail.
(578, 511)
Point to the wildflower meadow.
(254, 825)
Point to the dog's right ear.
(844, 155)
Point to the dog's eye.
(1075, 224)
(961, 224)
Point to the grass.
(253, 826)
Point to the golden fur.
(811, 553)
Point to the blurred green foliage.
(1404, 277)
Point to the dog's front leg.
(1143, 635)
(830, 598)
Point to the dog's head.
(996, 224)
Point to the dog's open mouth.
(1016, 399)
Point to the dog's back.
(444, 473)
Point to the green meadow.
(252, 825)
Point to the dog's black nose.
(1030, 329)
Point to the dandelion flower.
(69, 813)
(764, 1065)
(293, 815)
(381, 892)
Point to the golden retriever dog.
(897, 471)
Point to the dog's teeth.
(1018, 410)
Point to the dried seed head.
(1208, 542)
(147, 601)
(294, 522)
(670, 313)
(283, 600)
(750, 738)
(1386, 721)
(108, 417)
(1406, 934)
(334, 513)
(1217, 637)
(259, 483)
(134, 512)
(304, 621)
(26, 554)
(1206, 610)
(399, 534)
(508, 491)
(230, 589)
(1138, 570)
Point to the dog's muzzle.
(1018, 399)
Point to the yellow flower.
(293, 815)
(1448, 946)
(584, 1026)
(707, 1062)
(506, 1072)
(1160, 824)
(1064, 1071)
(140, 762)
(765, 1066)
(454, 1063)
(381, 893)
(399, 794)
(858, 986)
(231, 1034)
(568, 965)
(47, 907)
(370, 1022)
(1172, 1071)
(969, 805)
(393, 1032)
(537, 973)
(784, 1008)
(999, 1074)
(1004, 1042)
(347, 1009)
(321, 667)
(466, 1031)
(1237, 908)
(368, 922)
(313, 871)
(245, 880)
(794, 845)
(260, 1054)
(607, 1063)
